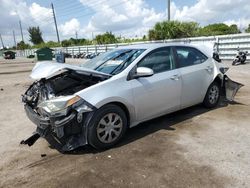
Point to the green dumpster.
(9, 55)
(44, 54)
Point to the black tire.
(211, 100)
(95, 138)
(243, 61)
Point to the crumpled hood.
(47, 69)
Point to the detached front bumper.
(64, 133)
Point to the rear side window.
(159, 60)
(189, 56)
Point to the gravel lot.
(191, 148)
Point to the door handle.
(209, 69)
(175, 77)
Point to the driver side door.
(161, 93)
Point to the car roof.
(207, 49)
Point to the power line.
(78, 9)
(75, 6)
(93, 12)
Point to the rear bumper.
(64, 133)
(230, 88)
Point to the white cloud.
(34, 15)
(207, 11)
(126, 17)
(70, 27)
(41, 15)
(242, 23)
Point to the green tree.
(173, 30)
(152, 34)
(248, 29)
(66, 43)
(49, 44)
(35, 35)
(22, 45)
(234, 29)
(74, 42)
(218, 29)
(106, 38)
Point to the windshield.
(113, 62)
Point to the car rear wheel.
(212, 96)
(108, 125)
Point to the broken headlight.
(59, 106)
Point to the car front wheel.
(107, 127)
(212, 96)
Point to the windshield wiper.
(119, 55)
(119, 67)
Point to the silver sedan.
(96, 103)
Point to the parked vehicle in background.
(9, 55)
(92, 55)
(240, 58)
(96, 103)
(67, 55)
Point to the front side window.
(159, 60)
(189, 56)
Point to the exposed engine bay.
(64, 130)
(63, 84)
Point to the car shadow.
(165, 122)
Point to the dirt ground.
(195, 147)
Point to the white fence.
(227, 45)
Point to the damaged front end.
(61, 116)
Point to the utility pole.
(168, 10)
(14, 37)
(92, 38)
(1, 41)
(76, 35)
(54, 16)
(21, 29)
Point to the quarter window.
(189, 56)
(159, 61)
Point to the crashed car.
(96, 103)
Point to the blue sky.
(126, 18)
(64, 11)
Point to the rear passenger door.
(196, 73)
(160, 93)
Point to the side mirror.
(143, 72)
